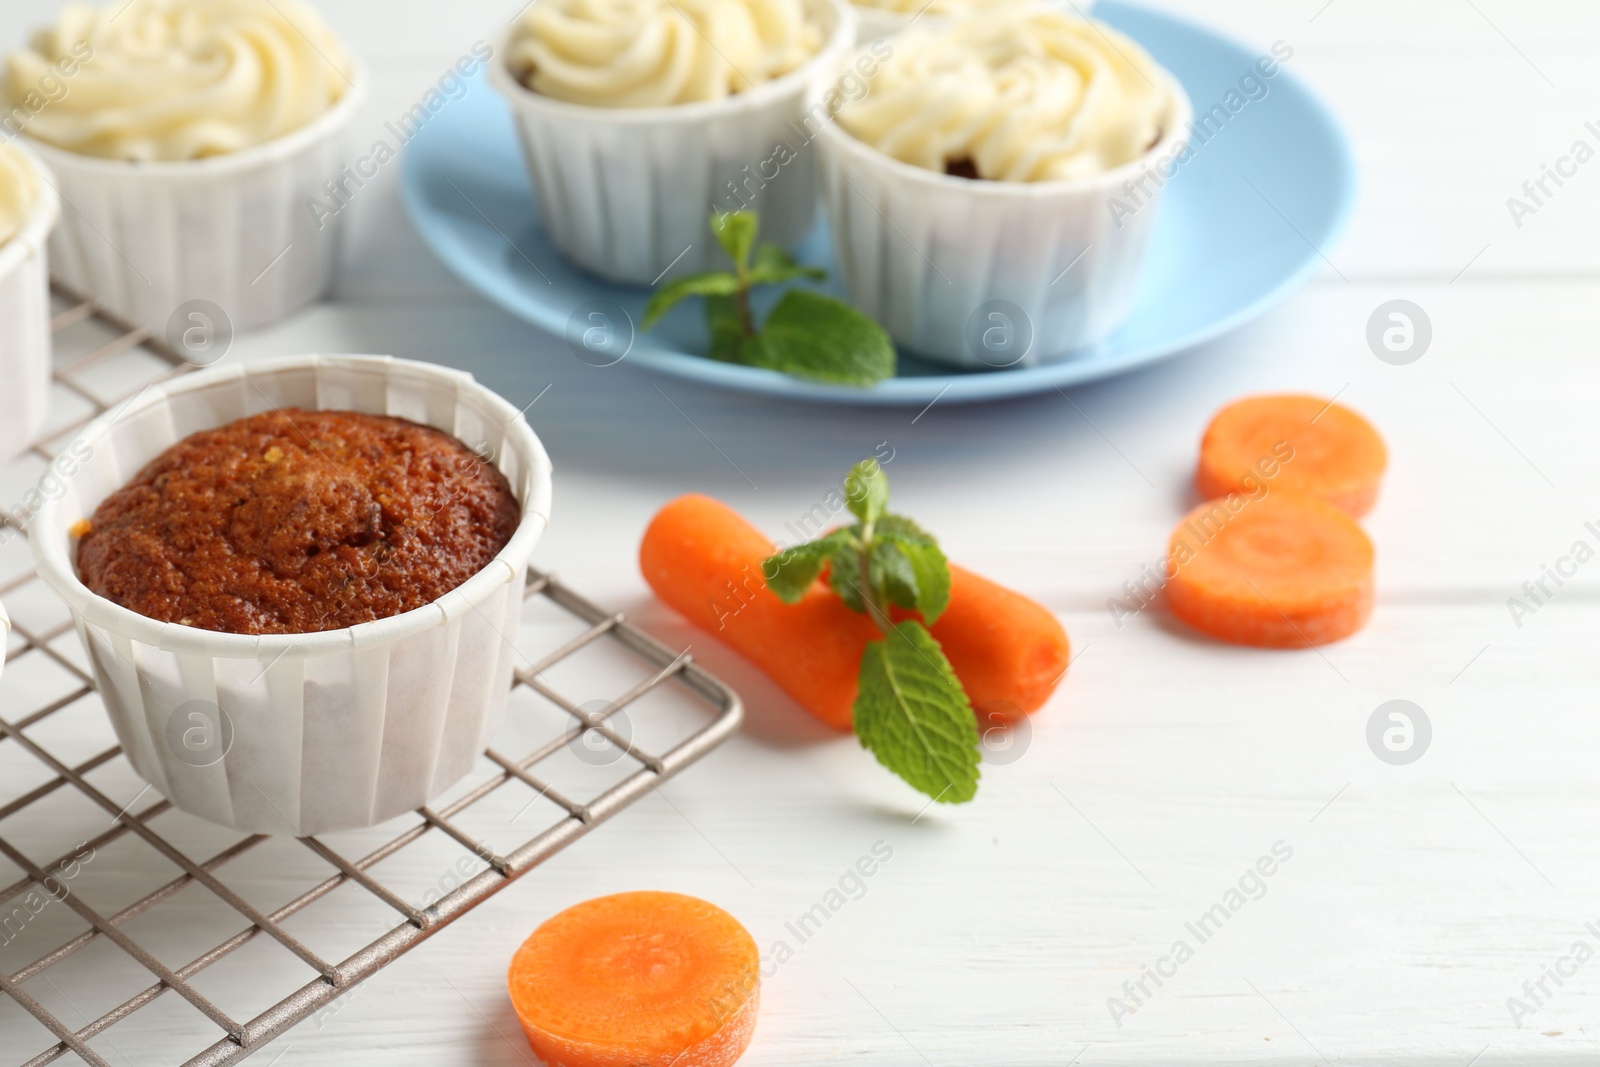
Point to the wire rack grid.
(79, 396)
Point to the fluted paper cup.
(25, 319)
(238, 230)
(991, 274)
(303, 733)
(626, 193)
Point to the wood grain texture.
(1418, 898)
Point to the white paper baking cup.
(627, 193)
(881, 23)
(5, 636)
(321, 731)
(238, 230)
(25, 318)
(935, 259)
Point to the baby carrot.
(1282, 571)
(640, 979)
(703, 559)
(1007, 650)
(1292, 443)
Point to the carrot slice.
(641, 979)
(703, 559)
(1292, 443)
(1283, 571)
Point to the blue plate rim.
(971, 387)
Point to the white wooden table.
(1418, 898)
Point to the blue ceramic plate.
(1242, 225)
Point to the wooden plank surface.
(1418, 898)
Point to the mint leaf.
(790, 573)
(894, 581)
(711, 282)
(928, 590)
(844, 574)
(807, 334)
(913, 715)
(903, 529)
(736, 233)
(932, 572)
(816, 336)
(866, 490)
(774, 265)
(724, 327)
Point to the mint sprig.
(910, 710)
(905, 714)
(806, 334)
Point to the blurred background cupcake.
(992, 191)
(639, 118)
(879, 19)
(187, 138)
(28, 210)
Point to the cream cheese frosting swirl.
(182, 79)
(19, 189)
(1021, 96)
(918, 7)
(652, 53)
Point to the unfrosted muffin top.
(170, 80)
(1017, 94)
(296, 521)
(652, 53)
(19, 190)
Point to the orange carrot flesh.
(1283, 571)
(642, 979)
(704, 560)
(1008, 651)
(1292, 443)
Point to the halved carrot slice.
(1292, 443)
(642, 979)
(1283, 571)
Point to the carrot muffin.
(1018, 95)
(639, 118)
(654, 53)
(29, 209)
(167, 80)
(296, 521)
(19, 190)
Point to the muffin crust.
(295, 521)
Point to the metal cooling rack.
(572, 818)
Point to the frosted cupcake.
(28, 210)
(992, 191)
(639, 118)
(189, 141)
(886, 18)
